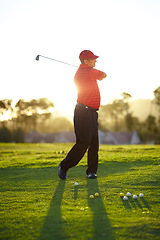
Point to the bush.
(18, 136)
(5, 135)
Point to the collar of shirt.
(84, 66)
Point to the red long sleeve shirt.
(87, 87)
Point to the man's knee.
(83, 144)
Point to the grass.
(35, 204)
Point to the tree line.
(40, 115)
(117, 116)
(25, 116)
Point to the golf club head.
(37, 58)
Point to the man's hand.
(105, 75)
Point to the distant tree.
(117, 112)
(2, 105)
(126, 98)
(5, 105)
(129, 120)
(116, 116)
(157, 101)
(5, 135)
(60, 124)
(18, 136)
(43, 122)
(21, 112)
(104, 118)
(110, 113)
(157, 96)
(151, 124)
(29, 112)
(128, 116)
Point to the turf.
(35, 204)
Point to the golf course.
(36, 204)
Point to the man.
(85, 117)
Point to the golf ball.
(121, 194)
(125, 198)
(91, 196)
(76, 184)
(134, 196)
(128, 194)
(141, 195)
(96, 194)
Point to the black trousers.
(86, 131)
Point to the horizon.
(68, 112)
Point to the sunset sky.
(124, 33)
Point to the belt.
(87, 107)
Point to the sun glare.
(64, 99)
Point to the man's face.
(90, 62)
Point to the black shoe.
(91, 175)
(61, 174)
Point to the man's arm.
(99, 74)
(105, 75)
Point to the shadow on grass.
(53, 223)
(117, 167)
(145, 203)
(75, 193)
(127, 204)
(102, 228)
(130, 204)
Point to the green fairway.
(36, 204)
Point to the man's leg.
(84, 125)
(93, 149)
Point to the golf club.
(37, 58)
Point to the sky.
(125, 34)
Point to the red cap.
(86, 54)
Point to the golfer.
(85, 117)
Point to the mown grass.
(35, 204)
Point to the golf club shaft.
(37, 58)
